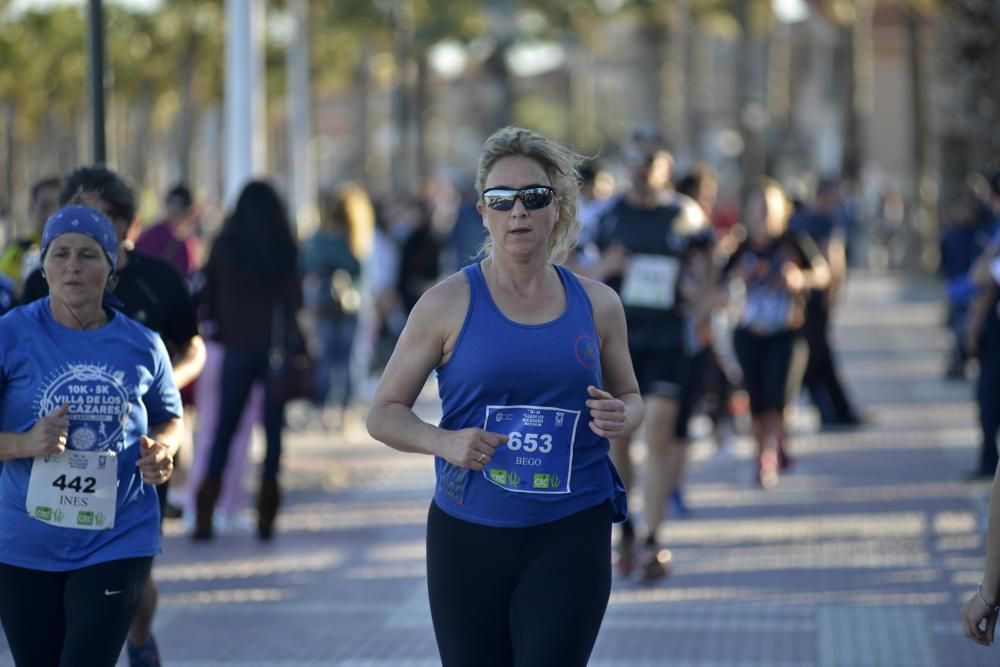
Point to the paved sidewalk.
(861, 557)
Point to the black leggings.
(518, 596)
(68, 619)
(240, 370)
(767, 367)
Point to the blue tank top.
(529, 382)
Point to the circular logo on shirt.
(98, 404)
(586, 351)
(83, 438)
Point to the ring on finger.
(482, 458)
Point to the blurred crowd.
(729, 298)
(352, 282)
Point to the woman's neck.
(523, 277)
(80, 318)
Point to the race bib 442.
(74, 490)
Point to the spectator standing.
(983, 342)
(332, 277)
(822, 378)
(253, 295)
(21, 256)
(175, 238)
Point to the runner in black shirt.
(642, 256)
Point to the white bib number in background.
(650, 281)
(74, 490)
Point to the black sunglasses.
(532, 197)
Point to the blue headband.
(86, 221)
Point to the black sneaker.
(847, 423)
(655, 563)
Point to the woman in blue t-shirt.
(534, 376)
(89, 420)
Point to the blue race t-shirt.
(117, 381)
(529, 382)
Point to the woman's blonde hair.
(777, 205)
(350, 206)
(560, 165)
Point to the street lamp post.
(96, 61)
(244, 101)
(302, 193)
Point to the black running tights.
(524, 597)
(70, 619)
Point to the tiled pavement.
(861, 557)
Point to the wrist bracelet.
(991, 607)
